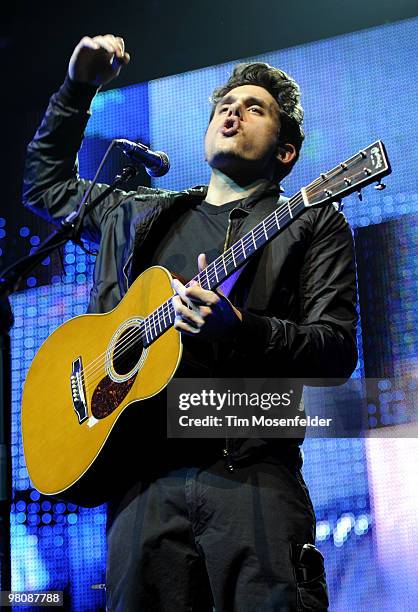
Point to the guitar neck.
(366, 166)
(234, 257)
(226, 264)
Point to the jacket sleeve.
(322, 344)
(52, 187)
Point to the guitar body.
(78, 387)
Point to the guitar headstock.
(367, 166)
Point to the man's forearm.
(318, 350)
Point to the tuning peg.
(380, 186)
(360, 195)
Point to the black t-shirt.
(201, 229)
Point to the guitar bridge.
(78, 391)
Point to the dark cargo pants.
(198, 539)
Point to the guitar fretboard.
(226, 264)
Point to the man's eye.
(223, 109)
(255, 109)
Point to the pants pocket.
(313, 595)
(309, 573)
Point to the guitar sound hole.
(128, 350)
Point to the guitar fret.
(224, 263)
(290, 210)
(250, 243)
(233, 257)
(207, 278)
(253, 237)
(146, 321)
(246, 246)
(171, 315)
(216, 273)
(241, 242)
(265, 231)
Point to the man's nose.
(235, 110)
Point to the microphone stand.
(10, 281)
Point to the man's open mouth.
(230, 126)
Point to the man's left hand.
(204, 312)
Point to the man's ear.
(286, 153)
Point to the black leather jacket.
(297, 295)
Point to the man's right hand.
(98, 60)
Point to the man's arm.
(52, 186)
(322, 344)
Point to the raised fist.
(98, 60)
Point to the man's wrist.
(76, 94)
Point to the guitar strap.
(248, 223)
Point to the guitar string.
(166, 309)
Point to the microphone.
(156, 162)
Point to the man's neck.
(223, 189)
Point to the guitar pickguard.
(108, 395)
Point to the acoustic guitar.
(95, 366)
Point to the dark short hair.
(284, 90)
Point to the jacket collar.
(264, 190)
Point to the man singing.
(208, 523)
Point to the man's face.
(242, 138)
